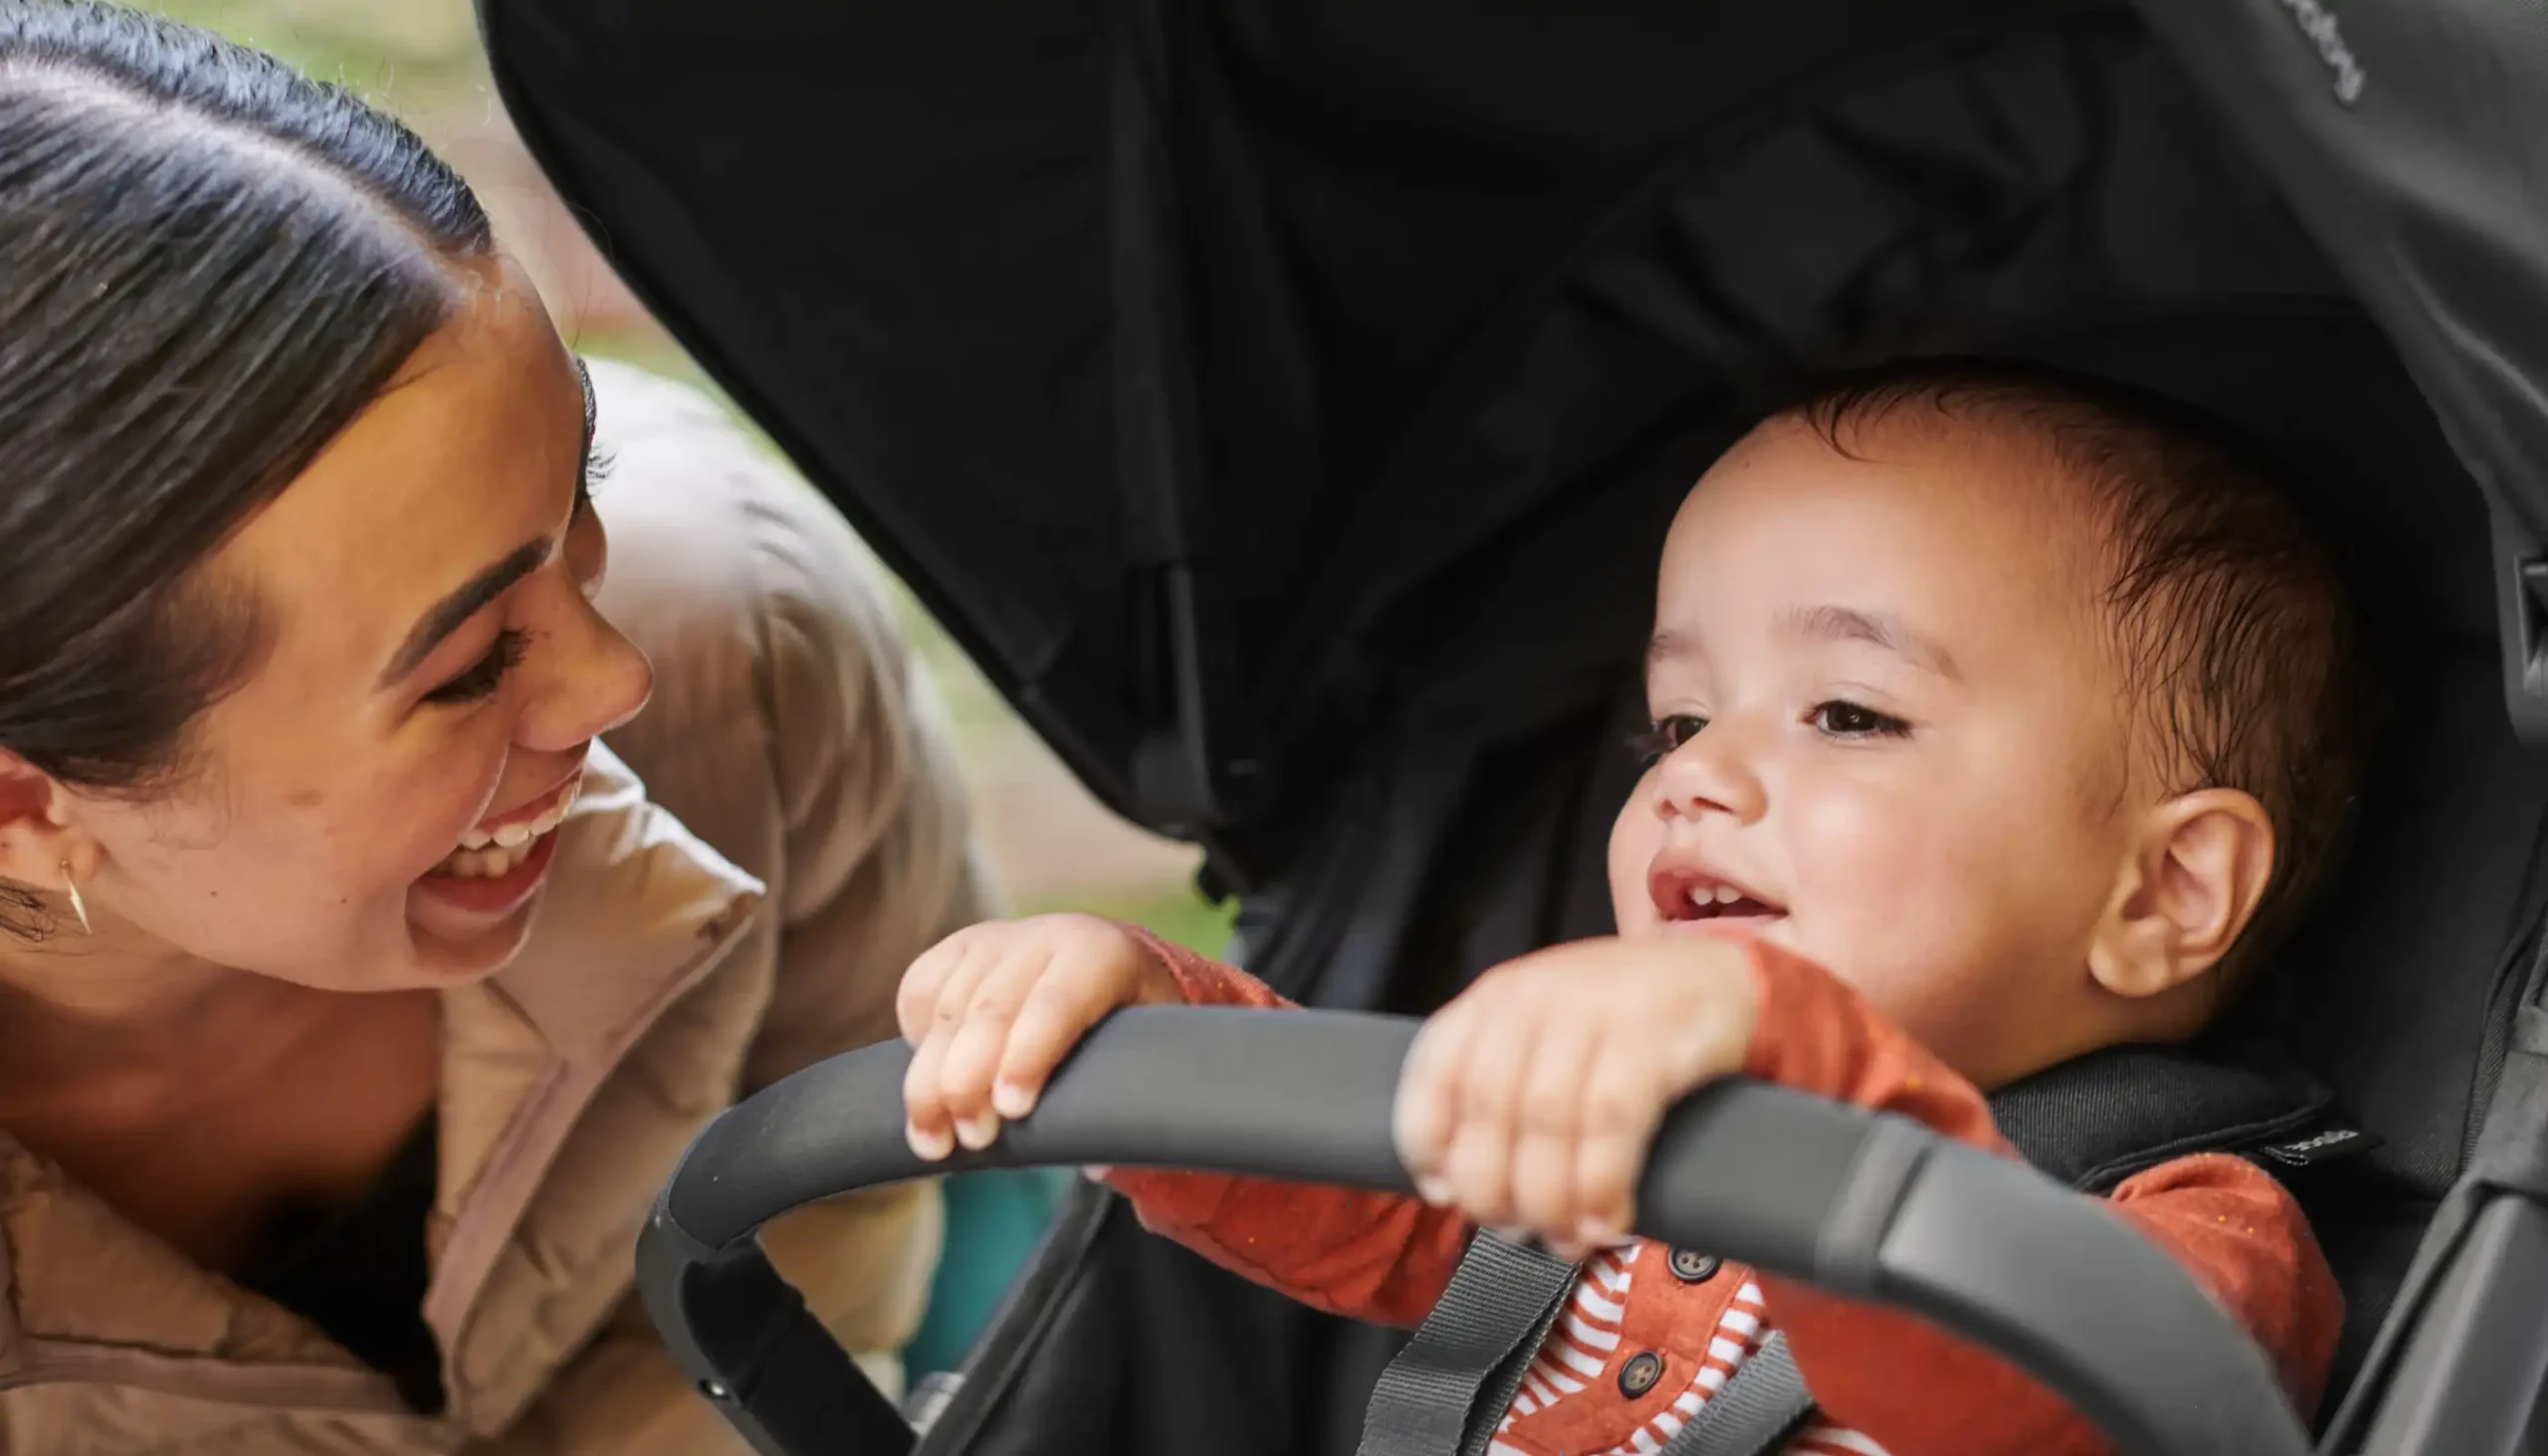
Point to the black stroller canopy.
(1282, 401)
(1172, 367)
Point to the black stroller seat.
(1282, 403)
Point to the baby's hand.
(994, 1008)
(1528, 1102)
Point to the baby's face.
(1891, 735)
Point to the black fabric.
(358, 1271)
(2097, 1119)
(1387, 225)
(2509, 1153)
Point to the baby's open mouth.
(1726, 903)
(1687, 895)
(493, 849)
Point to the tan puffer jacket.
(791, 732)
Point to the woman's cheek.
(422, 818)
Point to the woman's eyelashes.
(481, 679)
(597, 466)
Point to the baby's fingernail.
(929, 1146)
(977, 1133)
(1012, 1101)
(1433, 1191)
(1595, 1233)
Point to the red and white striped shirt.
(1587, 1350)
(1647, 1338)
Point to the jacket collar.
(637, 912)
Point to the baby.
(1997, 716)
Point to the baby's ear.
(2198, 870)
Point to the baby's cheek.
(1892, 896)
(1635, 836)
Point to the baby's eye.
(1845, 719)
(1666, 735)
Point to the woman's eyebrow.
(446, 616)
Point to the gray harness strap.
(1468, 1356)
(1448, 1389)
(1756, 1413)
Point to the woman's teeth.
(485, 855)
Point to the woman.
(353, 997)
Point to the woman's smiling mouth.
(498, 845)
(502, 861)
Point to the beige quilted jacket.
(799, 836)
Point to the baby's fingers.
(1083, 986)
(975, 1052)
(925, 983)
(1623, 1100)
(928, 1117)
(1486, 1128)
(1428, 1093)
(1549, 1124)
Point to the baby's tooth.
(1727, 895)
(514, 836)
(476, 839)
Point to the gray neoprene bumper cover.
(1867, 1205)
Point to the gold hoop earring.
(78, 906)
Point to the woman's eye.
(597, 466)
(1667, 734)
(1845, 720)
(483, 676)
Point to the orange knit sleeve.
(1381, 1257)
(1917, 1390)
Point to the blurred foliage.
(410, 55)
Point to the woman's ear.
(37, 838)
(2187, 892)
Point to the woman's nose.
(598, 681)
(1712, 773)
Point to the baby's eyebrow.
(1881, 629)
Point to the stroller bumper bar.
(1866, 1206)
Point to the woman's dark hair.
(209, 265)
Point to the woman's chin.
(465, 928)
(452, 951)
(472, 910)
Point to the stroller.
(1282, 400)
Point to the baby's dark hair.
(2230, 614)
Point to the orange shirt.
(1888, 1385)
